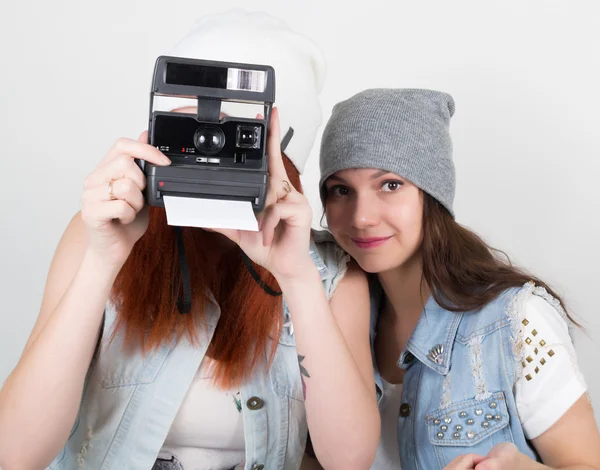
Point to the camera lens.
(209, 140)
(248, 137)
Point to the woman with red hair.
(113, 376)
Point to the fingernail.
(166, 161)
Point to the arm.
(342, 412)
(333, 339)
(572, 443)
(44, 390)
(550, 395)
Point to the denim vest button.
(258, 467)
(255, 403)
(404, 410)
(408, 358)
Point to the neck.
(406, 295)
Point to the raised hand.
(282, 243)
(113, 202)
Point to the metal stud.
(436, 354)
(462, 414)
(529, 359)
(470, 434)
(528, 340)
(440, 435)
(525, 321)
(528, 377)
(498, 418)
(456, 435)
(551, 353)
(488, 417)
(458, 427)
(485, 424)
(478, 411)
(493, 405)
(536, 350)
(470, 422)
(534, 332)
(448, 420)
(542, 361)
(536, 370)
(542, 343)
(436, 421)
(443, 428)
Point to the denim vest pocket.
(468, 426)
(116, 368)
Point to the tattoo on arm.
(303, 373)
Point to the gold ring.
(111, 194)
(287, 187)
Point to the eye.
(391, 186)
(338, 190)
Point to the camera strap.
(184, 301)
(256, 277)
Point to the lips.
(366, 243)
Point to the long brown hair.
(145, 293)
(462, 271)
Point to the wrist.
(104, 269)
(301, 274)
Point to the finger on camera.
(276, 168)
(140, 150)
(118, 168)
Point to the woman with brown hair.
(113, 376)
(474, 362)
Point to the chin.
(375, 264)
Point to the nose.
(365, 212)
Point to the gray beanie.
(404, 131)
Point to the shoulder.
(335, 265)
(324, 250)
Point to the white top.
(208, 431)
(388, 454)
(550, 381)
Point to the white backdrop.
(525, 76)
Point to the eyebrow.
(374, 176)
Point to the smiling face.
(376, 216)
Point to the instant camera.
(213, 156)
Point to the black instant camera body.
(212, 157)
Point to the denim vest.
(460, 369)
(129, 401)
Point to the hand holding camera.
(113, 199)
(282, 243)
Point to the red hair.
(146, 290)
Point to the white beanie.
(258, 38)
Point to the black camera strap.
(256, 277)
(184, 301)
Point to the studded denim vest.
(130, 401)
(460, 369)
